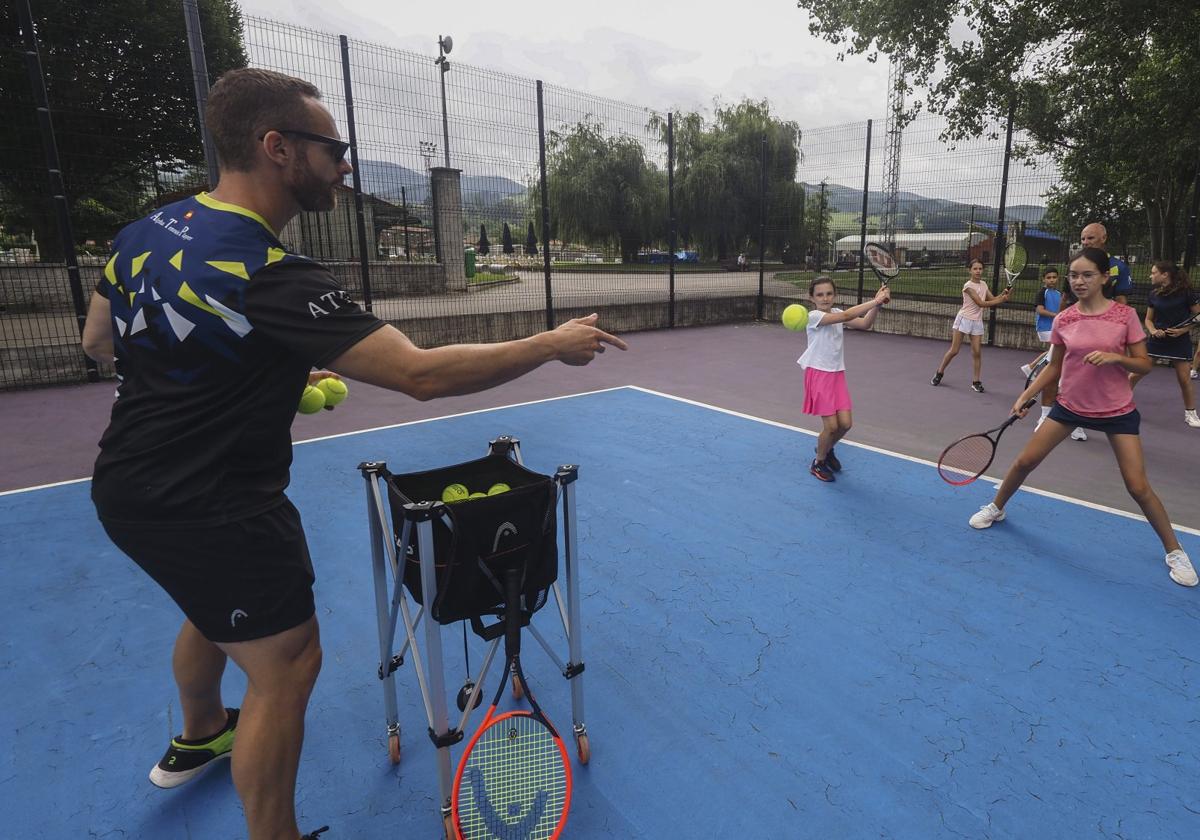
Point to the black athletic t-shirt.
(213, 355)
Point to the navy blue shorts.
(240, 581)
(1122, 424)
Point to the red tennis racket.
(514, 779)
(967, 458)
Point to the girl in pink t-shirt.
(969, 322)
(1094, 345)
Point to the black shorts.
(236, 582)
(1123, 424)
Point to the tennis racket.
(1015, 260)
(1037, 367)
(1186, 322)
(966, 459)
(514, 779)
(882, 262)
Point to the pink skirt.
(825, 392)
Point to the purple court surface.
(767, 655)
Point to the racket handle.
(512, 615)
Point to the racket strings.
(514, 784)
(966, 458)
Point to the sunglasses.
(337, 148)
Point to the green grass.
(643, 268)
(937, 282)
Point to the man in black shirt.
(214, 327)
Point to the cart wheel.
(464, 694)
(583, 748)
(448, 825)
(518, 689)
(394, 748)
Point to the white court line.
(924, 462)
(1024, 488)
(45, 486)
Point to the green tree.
(119, 83)
(1106, 87)
(818, 221)
(718, 178)
(603, 190)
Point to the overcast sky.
(659, 53)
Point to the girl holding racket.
(1172, 301)
(969, 322)
(824, 364)
(1094, 345)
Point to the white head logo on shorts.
(505, 530)
(235, 615)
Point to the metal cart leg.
(566, 476)
(383, 616)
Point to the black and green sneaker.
(185, 759)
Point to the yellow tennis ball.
(477, 496)
(455, 493)
(795, 317)
(312, 400)
(335, 391)
(498, 488)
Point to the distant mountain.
(385, 179)
(939, 210)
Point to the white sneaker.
(1078, 434)
(1181, 568)
(1189, 417)
(1026, 369)
(1195, 374)
(988, 514)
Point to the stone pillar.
(447, 223)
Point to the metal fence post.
(195, 36)
(862, 234)
(671, 216)
(1001, 239)
(360, 217)
(545, 207)
(1189, 254)
(58, 190)
(820, 249)
(762, 226)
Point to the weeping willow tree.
(603, 191)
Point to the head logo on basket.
(506, 529)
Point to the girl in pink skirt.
(825, 392)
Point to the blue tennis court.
(767, 655)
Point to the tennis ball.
(477, 496)
(498, 488)
(335, 391)
(312, 400)
(795, 317)
(455, 493)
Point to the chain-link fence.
(485, 206)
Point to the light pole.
(428, 151)
(445, 44)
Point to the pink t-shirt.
(970, 309)
(1091, 390)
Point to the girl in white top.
(969, 322)
(825, 391)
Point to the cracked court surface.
(767, 656)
